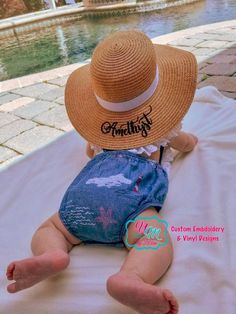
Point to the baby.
(128, 104)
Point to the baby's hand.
(184, 142)
(89, 151)
(193, 140)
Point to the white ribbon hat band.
(132, 103)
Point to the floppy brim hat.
(133, 92)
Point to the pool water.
(57, 46)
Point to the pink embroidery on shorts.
(136, 187)
(105, 217)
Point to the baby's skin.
(133, 285)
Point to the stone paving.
(33, 113)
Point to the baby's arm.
(89, 151)
(184, 142)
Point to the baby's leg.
(133, 284)
(50, 246)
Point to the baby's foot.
(29, 271)
(130, 290)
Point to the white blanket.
(202, 193)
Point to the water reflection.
(69, 43)
(62, 44)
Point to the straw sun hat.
(133, 92)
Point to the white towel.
(202, 193)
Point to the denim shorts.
(115, 186)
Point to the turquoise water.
(57, 46)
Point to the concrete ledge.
(39, 77)
(163, 39)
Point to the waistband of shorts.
(126, 153)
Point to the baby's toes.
(10, 270)
(16, 286)
(174, 306)
(12, 288)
